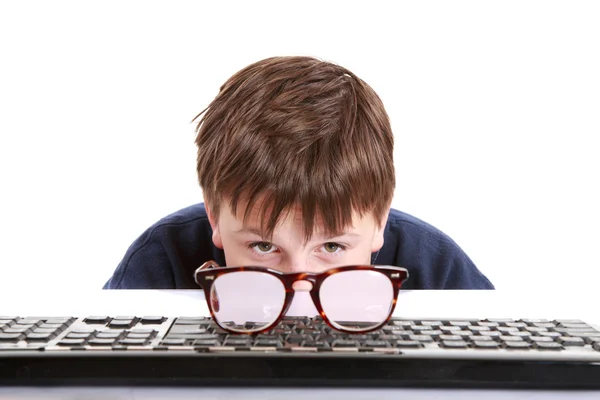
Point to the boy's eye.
(331, 247)
(263, 247)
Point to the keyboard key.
(268, 337)
(121, 323)
(500, 321)
(293, 320)
(419, 328)
(450, 329)
(143, 330)
(5, 324)
(571, 341)
(517, 345)
(507, 329)
(376, 343)
(516, 325)
(201, 342)
(462, 334)
(133, 342)
(493, 334)
(540, 339)
(83, 331)
(57, 327)
(39, 337)
(567, 321)
(395, 330)
(43, 330)
(295, 339)
(544, 325)
(575, 326)
(281, 331)
(481, 338)
(191, 321)
(548, 346)
(432, 333)
(11, 337)
(396, 334)
(535, 329)
(462, 324)
(71, 342)
(183, 329)
(131, 335)
(531, 322)
(591, 339)
(511, 338)
(74, 335)
(408, 344)
(522, 334)
(109, 334)
(345, 343)
(97, 320)
(421, 338)
(319, 344)
(152, 320)
(237, 342)
(550, 334)
(201, 336)
(450, 337)
(454, 344)
(29, 321)
(354, 336)
(432, 323)
(24, 329)
(66, 321)
(488, 324)
(487, 344)
(569, 331)
(402, 323)
(101, 342)
(587, 336)
(268, 343)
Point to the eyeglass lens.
(248, 301)
(356, 300)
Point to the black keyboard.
(157, 350)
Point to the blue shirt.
(166, 255)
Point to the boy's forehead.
(255, 219)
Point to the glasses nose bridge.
(302, 277)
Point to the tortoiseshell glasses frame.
(207, 274)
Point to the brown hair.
(297, 131)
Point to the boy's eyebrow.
(259, 232)
(254, 231)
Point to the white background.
(494, 106)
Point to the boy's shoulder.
(433, 258)
(167, 253)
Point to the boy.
(295, 160)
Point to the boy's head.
(295, 161)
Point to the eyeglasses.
(249, 299)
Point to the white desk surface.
(411, 304)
